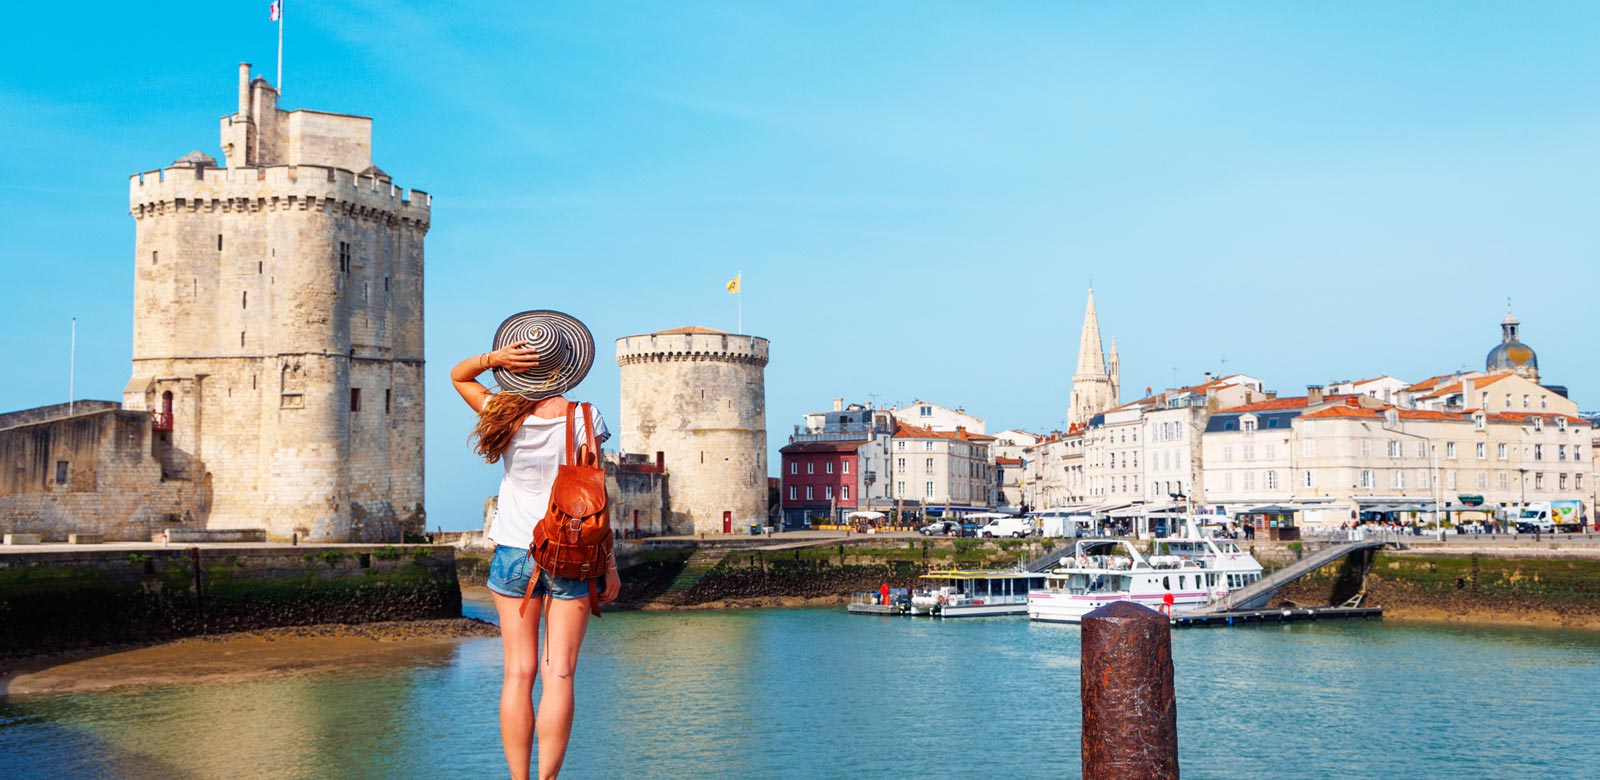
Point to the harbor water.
(815, 693)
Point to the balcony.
(161, 421)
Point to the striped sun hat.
(565, 347)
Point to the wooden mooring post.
(1130, 714)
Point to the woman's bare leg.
(565, 625)
(519, 637)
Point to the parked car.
(941, 528)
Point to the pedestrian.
(530, 426)
(883, 592)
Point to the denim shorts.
(510, 569)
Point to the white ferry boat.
(1193, 569)
(958, 593)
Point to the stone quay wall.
(62, 600)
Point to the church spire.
(1091, 357)
(1094, 389)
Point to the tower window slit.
(241, 338)
(388, 399)
(155, 257)
(244, 300)
(219, 242)
(355, 399)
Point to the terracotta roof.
(1008, 461)
(1273, 405)
(1477, 384)
(690, 329)
(822, 446)
(1373, 413)
(907, 431)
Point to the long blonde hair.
(502, 415)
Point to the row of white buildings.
(1466, 443)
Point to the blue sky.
(917, 193)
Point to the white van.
(1001, 525)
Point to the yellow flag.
(733, 284)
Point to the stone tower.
(1094, 387)
(278, 325)
(699, 397)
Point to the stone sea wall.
(61, 600)
(1550, 590)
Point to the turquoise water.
(815, 693)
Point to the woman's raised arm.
(516, 356)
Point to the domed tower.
(699, 397)
(277, 332)
(1511, 354)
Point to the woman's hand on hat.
(516, 356)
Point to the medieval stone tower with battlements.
(278, 326)
(698, 397)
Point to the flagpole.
(72, 368)
(280, 51)
(740, 296)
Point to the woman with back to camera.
(538, 356)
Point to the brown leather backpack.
(574, 538)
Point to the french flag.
(276, 11)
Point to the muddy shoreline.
(239, 657)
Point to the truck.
(1551, 516)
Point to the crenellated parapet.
(669, 346)
(278, 188)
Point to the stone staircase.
(695, 569)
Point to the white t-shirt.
(530, 463)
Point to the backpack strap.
(588, 430)
(572, 455)
(594, 597)
(533, 582)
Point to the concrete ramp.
(1257, 594)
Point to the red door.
(727, 522)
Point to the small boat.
(958, 593)
(1192, 569)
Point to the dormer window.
(1538, 423)
(1561, 423)
(1479, 421)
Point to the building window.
(900, 464)
(1483, 479)
(219, 242)
(241, 338)
(1538, 480)
(1562, 479)
(1422, 478)
(1308, 448)
(928, 490)
(811, 467)
(1399, 479)
(1500, 451)
(927, 446)
(794, 493)
(1394, 448)
(1366, 448)
(1227, 453)
(1453, 481)
(844, 492)
(1366, 479)
(828, 467)
(1272, 480)
(344, 257)
(1307, 479)
(847, 467)
(809, 494)
(1538, 452)
(927, 464)
(900, 489)
(244, 300)
(61, 472)
(1577, 481)
(1503, 480)
(900, 446)
(388, 400)
(1249, 426)
(794, 467)
(1524, 395)
(925, 411)
(1483, 451)
(827, 492)
(355, 399)
(1561, 452)
(1450, 449)
(155, 257)
(1480, 420)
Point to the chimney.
(1208, 376)
(1272, 395)
(244, 90)
(1313, 395)
(1467, 388)
(838, 404)
(1249, 397)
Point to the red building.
(819, 478)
